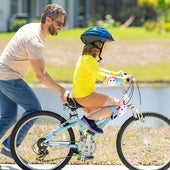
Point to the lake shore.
(69, 85)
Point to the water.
(155, 99)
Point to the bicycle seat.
(72, 104)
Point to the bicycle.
(51, 139)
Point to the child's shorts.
(92, 102)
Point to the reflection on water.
(154, 99)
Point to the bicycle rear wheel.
(28, 155)
(145, 145)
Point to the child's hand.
(127, 77)
(113, 81)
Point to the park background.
(141, 29)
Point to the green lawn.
(154, 73)
(130, 33)
(149, 73)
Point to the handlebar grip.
(128, 79)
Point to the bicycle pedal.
(90, 132)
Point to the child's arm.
(103, 73)
(113, 78)
(109, 72)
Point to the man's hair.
(52, 11)
(91, 48)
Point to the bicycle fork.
(139, 122)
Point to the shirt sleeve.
(35, 48)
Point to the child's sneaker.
(92, 125)
(121, 110)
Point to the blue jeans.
(13, 93)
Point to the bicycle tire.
(25, 154)
(155, 153)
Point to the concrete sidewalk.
(76, 167)
(72, 167)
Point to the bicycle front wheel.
(30, 153)
(145, 145)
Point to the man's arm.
(38, 67)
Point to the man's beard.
(52, 30)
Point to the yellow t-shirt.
(86, 73)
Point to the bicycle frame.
(82, 127)
(70, 124)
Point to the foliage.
(148, 2)
(150, 25)
(162, 7)
(166, 26)
(108, 22)
(18, 23)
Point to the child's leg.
(111, 107)
(102, 113)
(96, 105)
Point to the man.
(23, 51)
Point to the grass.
(130, 33)
(157, 72)
(150, 73)
(106, 152)
(60, 74)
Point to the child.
(87, 71)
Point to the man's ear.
(48, 20)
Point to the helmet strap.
(100, 58)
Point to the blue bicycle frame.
(66, 125)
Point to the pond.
(154, 99)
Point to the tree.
(162, 7)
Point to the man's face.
(56, 24)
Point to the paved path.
(72, 167)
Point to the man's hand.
(65, 95)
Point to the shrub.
(150, 25)
(166, 26)
(18, 23)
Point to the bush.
(150, 25)
(166, 26)
(18, 23)
(108, 22)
